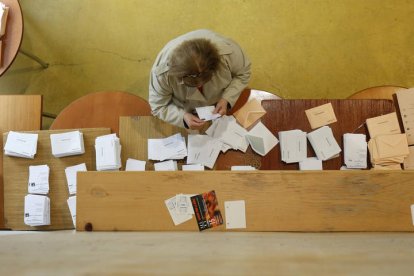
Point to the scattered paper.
(203, 149)
(206, 113)
(172, 147)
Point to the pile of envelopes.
(67, 143)
(20, 144)
(388, 147)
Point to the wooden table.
(12, 39)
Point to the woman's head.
(195, 61)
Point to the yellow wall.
(299, 48)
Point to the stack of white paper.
(39, 179)
(203, 149)
(36, 210)
(169, 165)
(67, 143)
(172, 147)
(4, 11)
(310, 164)
(180, 208)
(261, 139)
(71, 176)
(206, 113)
(193, 167)
(72, 208)
(21, 144)
(227, 130)
(135, 165)
(293, 145)
(108, 152)
(324, 143)
(355, 151)
(243, 168)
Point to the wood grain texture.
(134, 133)
(16, 175)
(290, 114)
(275, 200)
(18, 112)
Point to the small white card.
(206, 113)
(177, 218)
(38, 179)
(169, 165)
(235, 214)
(71, 176)
(193, 167)
(135, 165)
(72, 208)
(243, 168)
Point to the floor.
(207, 253)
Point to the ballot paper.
(175, 214)
(36, 210)
(206, 113)
(235, 212)
(20, 144)
(169, 165)
(135, 165)
(310, 164)
(4, 11)
(183, 204)
(108, 152)
(38, 179)
(67, 144)
(193, 167)
(172, 147)
(383, 125)
(203, 149)
(323, 143)
(72, 208)
(321, 115)
(355, 151)
(249, 113)
(405, 100)
(228, 131)
(261, 139)
(71, 173)
(293, 145)
(242, 168)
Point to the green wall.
(299, 48)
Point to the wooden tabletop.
(12, 39)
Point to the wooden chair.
(249, 94)
(101, 109)
(377, 92)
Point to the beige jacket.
(170, 99)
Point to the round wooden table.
(12, 39)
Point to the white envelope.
(293, 145)
(261, 139)
(324, 143)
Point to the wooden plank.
(275, 200)
(18, 112)
(16, 175)
(134, 133)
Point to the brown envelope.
(321, 115)
(382, 125)
(388, 167)
(249, 113)
(409, 160)
(393, 145)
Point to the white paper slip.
(4, 11)
(193, 167)
(67, 144)
(261, 139)
(72, 208)
(228, 131)
(293, 145)
(310, 164)
(172, 147)
(235, 214)
(243, 168)
(38, 179)
(323, 143)
(206, 113)
(177, 218)
(355, 151)
(36, 210)
(71, 173)
(20, 144)
(135, 165)
(108, 152)
(203, 149)
(169, 165)
(183, 204)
